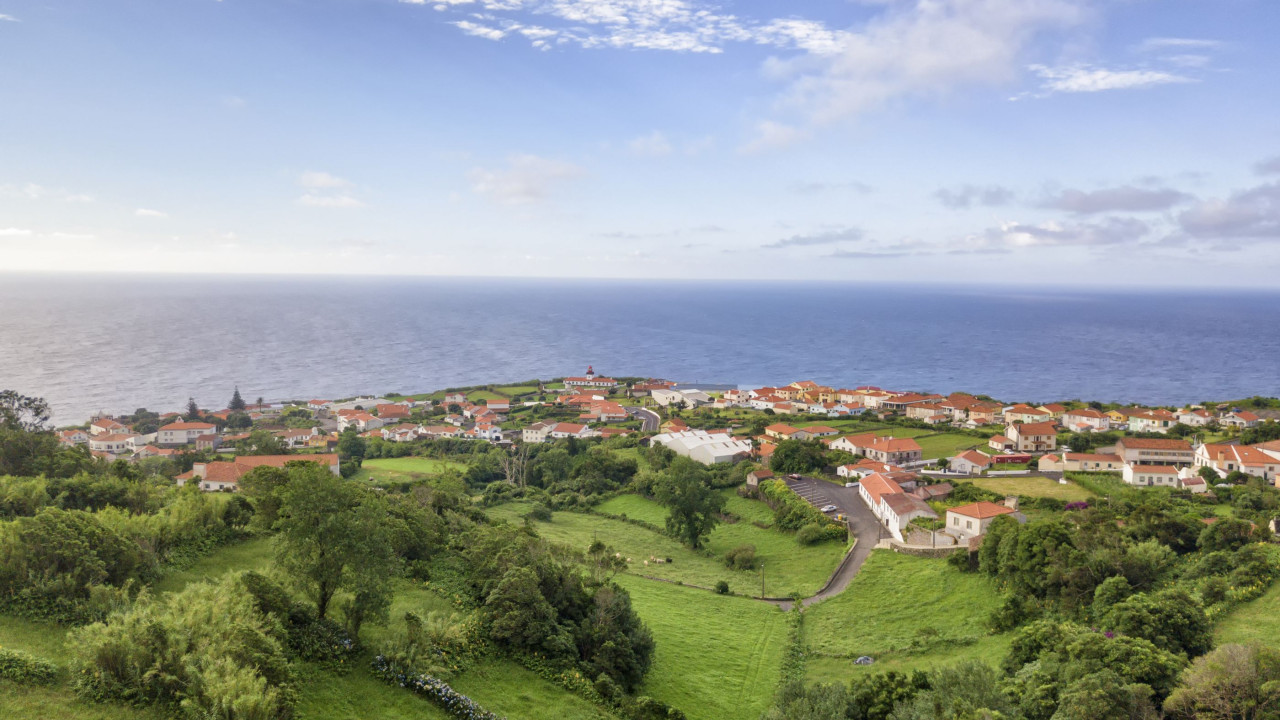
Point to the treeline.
(76, 548)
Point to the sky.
(1081, 142)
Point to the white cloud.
(526, 179)
(145, 213)
(329, 201)
(33, 191)
(1249, 214)
(316, 179)
(15, 232)
(922, 48)
(1088, 78)
(8, 18)
(1158, 44)
(655, 144)
(671, 25)
(478, 30)
(1117, 199)
(770, 135)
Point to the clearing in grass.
(787, 566)
(1033, 486)
(401, 469)
(945, 621)
(1257, 621)
(718, 657)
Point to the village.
(900, 483)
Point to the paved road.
(865, 526)
(648, 419)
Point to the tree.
(521, 617)
(239, 421)
(261, 442)
(693, 505)
(237, 403)
(193, 410)
(797, 456)
(22, 412)
(1171, 619)
(1234, 682)
(1226, 534)
(962, 691)
(27, 446)
(332, 537)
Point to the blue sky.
(1130, 142)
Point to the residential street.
(864, 525)
(648, 419)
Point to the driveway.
(865, 527)
(648, 419)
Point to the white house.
(183, 433)
(967, 521)
(114, 443)
(1033, 437)
(1155, 451)
(565, 430)
(1151, 475)
(536, 432)
(969, 462)
(1197, 417)
(107, 426)
(1153, 421)
(1240, 419)
(1086, 420)
(1245, 458)
(899, 509)
(74, 436)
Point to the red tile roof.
(981, 510)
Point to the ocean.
(113, 343)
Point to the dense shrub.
(742, 557)
(24, 669)
(792, 512)
(207, 649)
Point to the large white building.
(704, 447)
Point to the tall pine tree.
(193, 410)
(237, 402)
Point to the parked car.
(829, 508)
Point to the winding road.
(864, 525)
(648, 419)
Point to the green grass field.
(1033, 486)
(946, 444)
(401, 469)
(718, 657)
(1255, 621)
(253, 554)
(788, 567)
(498, 684)
(873, 617)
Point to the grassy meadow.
(718, 657)
(906, 612)
(788, 566)
(1033, 486)
(383, 470)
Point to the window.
(968, 524)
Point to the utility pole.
(761, 581)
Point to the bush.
(207, 648)
(722, 587)
(810, 534)
(539, 512)
(24, 669)
(742, 557)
